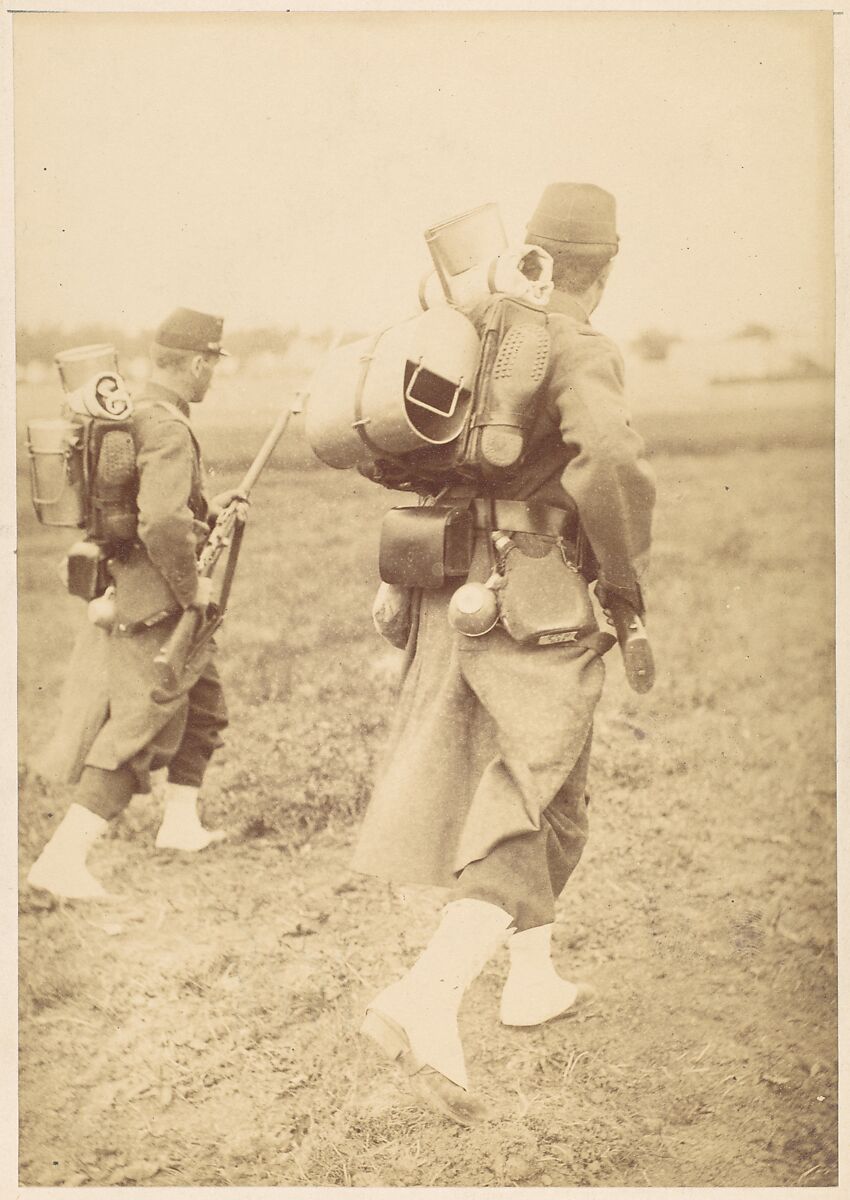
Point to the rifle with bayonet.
(196, 626)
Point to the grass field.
(200, 1031)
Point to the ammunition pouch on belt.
(541, 596)
(544, 600)
(142, 596)
(425, 546)
(86, 570)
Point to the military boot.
(534, 992)
(415, 1021)
(61, 867)
(181, 827)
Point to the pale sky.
(281, 168)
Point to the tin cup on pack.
(473, 261)
(465, 243)
(78, 366)
(56, 472)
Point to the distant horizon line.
(309, 332)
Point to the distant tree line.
(43, 341)
(653, 345)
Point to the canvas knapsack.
(83, 463)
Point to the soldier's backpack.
(512, 361)
(445, 398)
(83, 463)
(448, 396)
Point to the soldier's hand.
(220, 502)
(203, 596)
(609, 595)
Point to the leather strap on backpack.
(360, 422)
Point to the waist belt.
(131, 628)
(520, 516)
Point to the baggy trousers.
(525, 874)
(185, 744)
(482, 789)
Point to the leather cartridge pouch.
(424, 546)
(544, 601)
(86, 570)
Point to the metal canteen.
(474, 609)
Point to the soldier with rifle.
(155, 580)
(483, 789)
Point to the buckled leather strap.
(519, 516)
(360, 422)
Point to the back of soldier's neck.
(568, 305)
(177, 387)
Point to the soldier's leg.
(181, 827)
(528, 811)
(525, 875)
(205, 722)
(61, 868)
(414, 1021)
(101, 796)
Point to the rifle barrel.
(264, 454)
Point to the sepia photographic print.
(424, 586)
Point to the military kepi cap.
(575, 212)
(186, 329)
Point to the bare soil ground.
(201, 1030)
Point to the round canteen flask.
(474, 609)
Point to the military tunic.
(490, 744)
(155, 578)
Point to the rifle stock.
(171, 661)
(638, 661)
